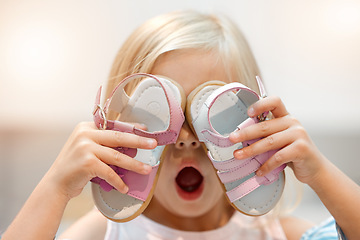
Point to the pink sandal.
(215, 111)
(156, 102)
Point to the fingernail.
(239, 154)
(259, 173)
(151, 142)
(234, 135)
(143, 126)
(125, 189)
(146, 169)
(251, 112)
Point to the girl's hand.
(86, 155)
(285, 133)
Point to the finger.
(140, 126)
(260, 130)
(137, 125)
(272, 103)
(283, 156)
(105, 172)
(272, 142)
(121, 139)
(113, 157)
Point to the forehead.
(190, 68)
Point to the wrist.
(323, 177)
(51, 186)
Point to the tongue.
(189, 179)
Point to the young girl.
(190, 48)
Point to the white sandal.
(158, 103)
(215, 111)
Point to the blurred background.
(55, 54)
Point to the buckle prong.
(262, 117)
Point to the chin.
(192, 210)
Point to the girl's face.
(188, 187)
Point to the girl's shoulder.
(296, 228)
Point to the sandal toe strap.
(253, 183)
(139, 185)
(233, 170)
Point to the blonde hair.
(185, 30)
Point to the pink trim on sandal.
(230, 170)
(140, 186)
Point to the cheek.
(214, 188)
(166, 178)
(210, 175)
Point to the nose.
(187, 139)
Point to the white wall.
(308, 51)
(55, 54)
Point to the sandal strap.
(139, 185)
(226, 165)
(253, 183)
(261, 86)
(208, 133)
(118, 100)
(232, 170)
(162, 137)
(243, 168)
(224, 141)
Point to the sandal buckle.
(261, 117)
(102, 115)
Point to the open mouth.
(189, 179)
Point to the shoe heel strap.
(208, 133)
(245, 94)
(118, 99)
(220, 140)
